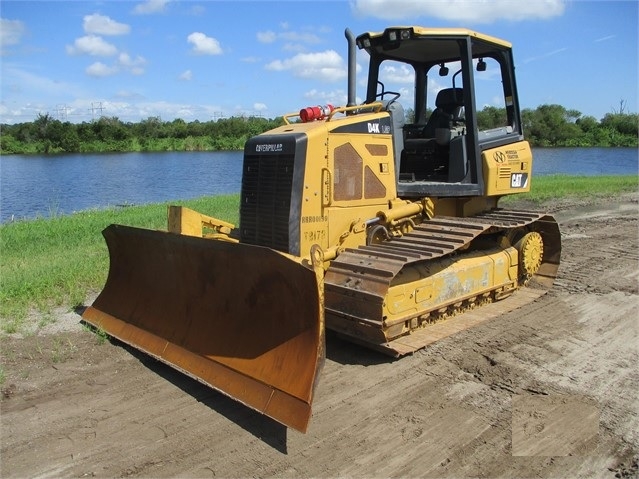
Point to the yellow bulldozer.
(373, 221)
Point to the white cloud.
(203, 45)
(11, 32)
(138, 110)
(197, 10)
(288, 36)
(91, 45)
(27, 81)
(133, 65)
(186, 75)
(460, 11)
(129, 95)
(22, 113)
(336, 97)
(99, 69)
(125, 60)
(606, 38)
(259, 106)
(299, 37)
(150, 6)
(124, 63)
(293, 47)
(266, 37)
(103, 25)
(326, 66)
(397, 74)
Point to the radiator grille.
(266, 200)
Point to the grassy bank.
(46, 263)
(545, 188)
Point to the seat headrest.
(450, 97)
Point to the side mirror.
(481, 65)
(443, 71)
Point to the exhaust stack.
(352, 66)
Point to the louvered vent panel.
(504, 172)
(266, 200)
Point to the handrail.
(375, 107)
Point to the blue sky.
(77, 60)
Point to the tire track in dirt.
(450, 410)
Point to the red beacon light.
(315, 112)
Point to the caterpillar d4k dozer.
(381, 226)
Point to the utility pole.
(61, 112)
(94, 107)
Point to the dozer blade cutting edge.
(246, 320)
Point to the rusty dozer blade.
(246, 320)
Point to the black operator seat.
(448, 107)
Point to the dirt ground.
(547, 390)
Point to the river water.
(34, 186)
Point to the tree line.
(547, 125)
(554, 125)
(109, 134)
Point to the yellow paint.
(185, 221)
(429, 286)
(448, 32)
(507, 169)
(336, 204)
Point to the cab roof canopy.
(407, 44)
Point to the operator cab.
(446, 76)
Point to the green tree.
(41, 125)
(547, 125)
(150, 128)
(110, 129)
(9, 145)
(69, 139)
(195, 129)
(551, 125)
(178, 129)
(587, 124)
(623, 123)
(491, 117)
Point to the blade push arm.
(185, 221)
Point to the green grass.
(45, 263)
(545, 188)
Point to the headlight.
(396, 35)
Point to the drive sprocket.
(531, 253)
